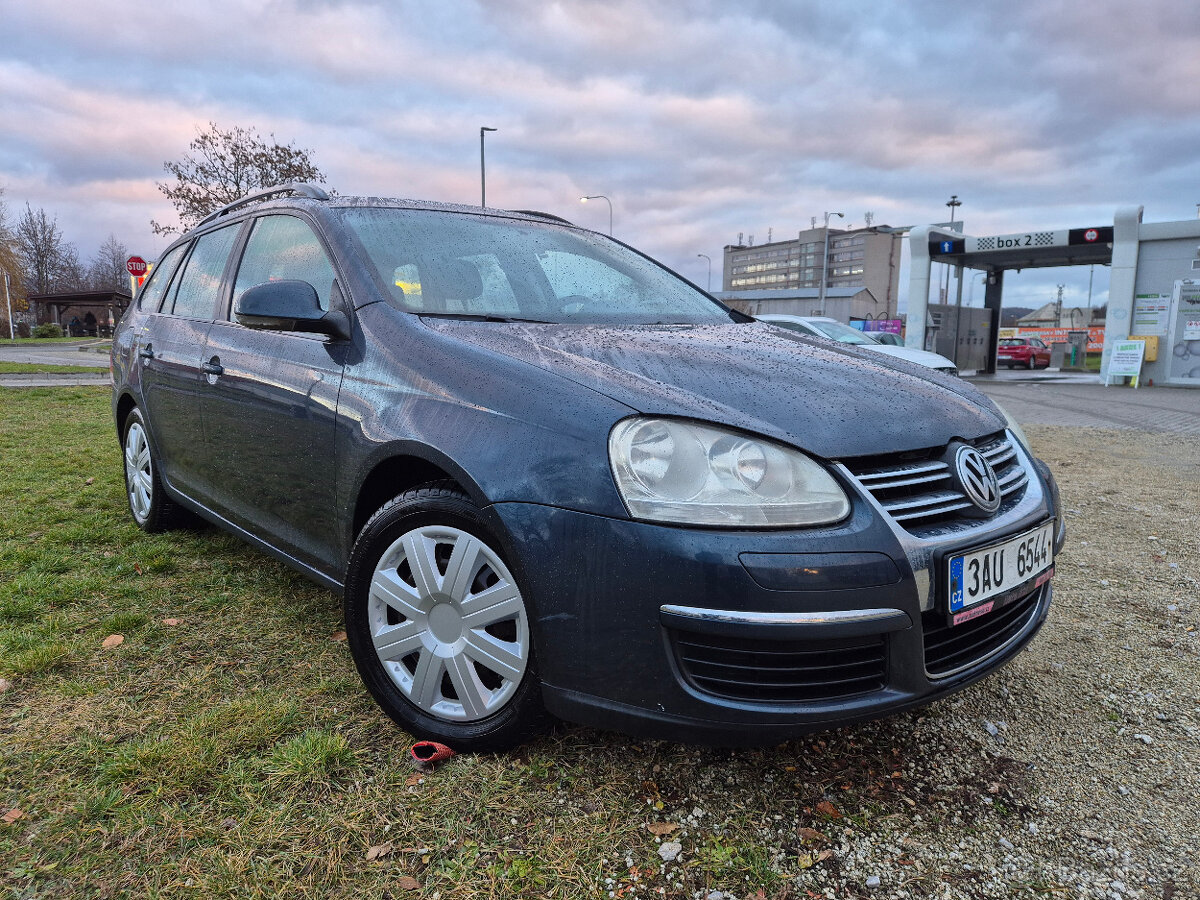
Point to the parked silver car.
(822, 326)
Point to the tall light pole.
(825, 258)
(12, 334)
(482, 168)
(971, 292)
(709, 258)
(954, 203)
(606, 200)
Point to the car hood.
(830, 400)
(920, 357)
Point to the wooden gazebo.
(80, 313)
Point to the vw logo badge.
(977, 478)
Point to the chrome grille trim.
(921, 493)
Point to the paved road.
(1051, 399)
(65, 354)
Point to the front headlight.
(669, 470)
(1014, 428)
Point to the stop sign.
(136, 266)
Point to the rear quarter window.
(199, 285)
(160, 278)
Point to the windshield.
(842, 333)
(460, 265)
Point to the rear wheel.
(149, 505)
(438, 625)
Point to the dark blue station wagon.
(551, 478)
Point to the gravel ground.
(1073, 772)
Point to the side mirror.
(288, 306)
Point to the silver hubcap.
(139, 475)
(448, 623)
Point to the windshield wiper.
(480, 317)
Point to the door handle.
(146, 352)
(213, 367)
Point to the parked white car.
(821, 326)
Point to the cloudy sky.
(700, 120)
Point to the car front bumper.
(750, 637)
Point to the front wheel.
(438, 625)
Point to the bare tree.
(71, 274)
(222, 166)
(106, 271)
(40, 245)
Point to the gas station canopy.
(1031, 250)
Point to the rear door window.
(200, 284)
(284, 248)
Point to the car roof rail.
(299, 188)
(542, 215)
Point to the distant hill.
(1010, 314)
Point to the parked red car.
(1029, 353)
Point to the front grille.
(918, 490)
(949, 648)
(778, 671)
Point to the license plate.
(981, 575)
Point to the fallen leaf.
(828, 809)
(812, 836)
(414, 778)
(137, 568)
(380, 850)
(824, 855)
(408, 883)
(338, 636)
(89, 481)
(994, 787)
(661, 828)
(5, 685)
(113, 640)
(12, 815)
(171, 621)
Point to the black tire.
(152, 510)
(1029, 364)
(441, 517)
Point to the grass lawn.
(20, 368)
(224, 747)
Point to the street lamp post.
(482, 168)
(954, 203)
(971, 292)
(12, 334)
(825, 258)
(709, 258)
(606, 200)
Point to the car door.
(269, 402)
(171, 349)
